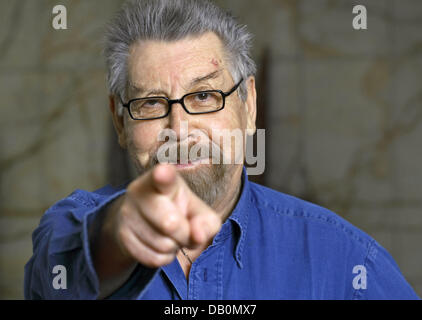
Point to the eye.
(153, 103)
(203, 96)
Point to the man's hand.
(157, 216)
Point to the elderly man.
(195, 228)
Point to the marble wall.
(343, 115)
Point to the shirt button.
(205, 275)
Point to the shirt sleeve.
(384, 279)
(61, 266)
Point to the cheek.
(140, 137)
(142, 141)
(227, 130)
(232, 117)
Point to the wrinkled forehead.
(165, 62)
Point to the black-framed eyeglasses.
(200, 102)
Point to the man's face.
(173, 69)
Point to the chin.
(208, 182)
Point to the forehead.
(175, 60)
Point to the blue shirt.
(273, 246)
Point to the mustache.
(187, 152)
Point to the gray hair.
(170, 20)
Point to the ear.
(250, 106)
(118, 122)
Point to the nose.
(178, 121)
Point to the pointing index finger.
(164, 178)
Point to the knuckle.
(123, 241)
(122, 235)
(157, 260)
(126, 211)
(169, 223)
(167, 246)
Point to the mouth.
(191, 164)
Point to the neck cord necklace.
(186, 255)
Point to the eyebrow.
(212, 75)
(195, 81)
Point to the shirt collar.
(240, 216)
